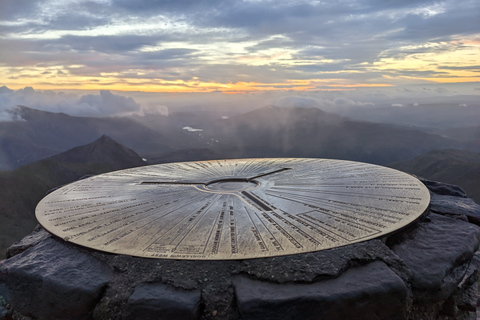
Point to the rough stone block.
(368, 292)
(438, 252)
(444, 188)
(5, 307)
(38, 235)
(158, 301)
(55, 281)
(456, 206)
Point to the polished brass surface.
(233, 209)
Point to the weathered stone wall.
(426, 271)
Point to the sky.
(145, 54)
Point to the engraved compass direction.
(233, 209)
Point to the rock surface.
(29, 241)
(162, 302)
(444, 188)
(371, 291)
(53, 280)
(426, 271)
(456, 206)
(438, 252)
(5, 308)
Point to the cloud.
(298, 102)
(103, 104)
(338, 105)
(11, 9)
(106, 44)
(9, 115)
(4, 89)
(190, 129)
(148, 7)
(107, 104)
(398, 105)
(228, 42)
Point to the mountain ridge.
(41, 134)
(23, 188)
(310, 132)
(452, 166)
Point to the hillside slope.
(452, 166)
(21, 189)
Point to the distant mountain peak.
(105, 139)
(5, 89)
(103, 150)
(28, 114)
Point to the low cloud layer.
(103, 104)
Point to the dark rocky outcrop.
(438, 252)
(46, 285)
(426, 271)
(456, 206)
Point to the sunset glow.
(244, 47)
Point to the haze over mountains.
(268, 131)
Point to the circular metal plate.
(233, 209)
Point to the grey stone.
(444, 188)
(368, 292)
(55, 281)
(438, 252)
(456, 206)
(468, 298)
(163, 302)
(5, 307)
(29, 241)
(321, 264)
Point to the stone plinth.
(425, 271)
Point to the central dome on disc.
(230, 185)
(233, 209)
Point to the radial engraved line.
(350, 195)
(233, 230)
(218, 228)
(345, 193)
(315, 226)
(246, 168)
(115, 212)
(149, 224)
(197, 219)
(156, 237)
(275, 243)
(257, 233)
(323, 212)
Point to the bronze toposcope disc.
(233, 209)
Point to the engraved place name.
(233, 209)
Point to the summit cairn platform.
(250, 239)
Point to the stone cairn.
(428, 270)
